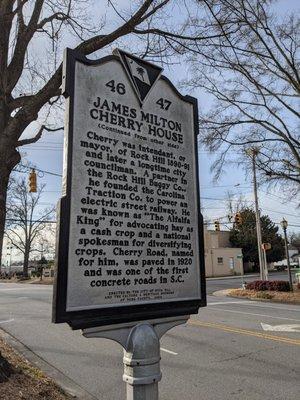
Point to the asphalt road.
(222, 353)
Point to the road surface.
(214, 284)
(223, 353)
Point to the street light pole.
(253, 153)
(284, 225)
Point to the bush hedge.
(279, 286)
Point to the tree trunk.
(26, 261)
(3, 195)
(9, 158)
(5, 369)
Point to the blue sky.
(47, 155)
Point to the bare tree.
(234, 205)
(250, 67)
(29, 83)
(294, 240)
(26, 221)
(32, 35)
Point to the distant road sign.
(266, 246)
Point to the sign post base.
(141, 360)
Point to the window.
(220, 260)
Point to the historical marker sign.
(130, 240)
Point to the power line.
(222, 199)
(42, 143)
(39, 170)
(212, 208)
(252, 223)
(46, 148)
(37, 220)
(39, 149)
(280, 212)
(237, 185)
(280, 198)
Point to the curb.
(245, 276)
(220, 293)
(232, 277)
(277, 301)
(65, 383)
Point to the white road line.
(259, 315)
(275, 308)
(228, 302)
(8, 320)
(169, 351)
(253, 304)
(22, 298)
(281, 328)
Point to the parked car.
(282, 265)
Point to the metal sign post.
(141, 353)
(130, 251)
(265, 247)
(240, 257)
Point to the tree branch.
(34, 139)
(24, 36)
(29, 111)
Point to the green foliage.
(244, 236)
(42, 261)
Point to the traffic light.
(238, 218)
(32, 181)
(217, 226)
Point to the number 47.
(164, 103)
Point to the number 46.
(164, 103)
(119, 87)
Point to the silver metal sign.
(130, 240)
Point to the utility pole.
(284, 225)
(262, 268)
(264, 252)
(41, 260)
(10, 257)
(9, 248)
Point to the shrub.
(278, 286)
(257, 285)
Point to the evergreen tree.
(244, 236)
